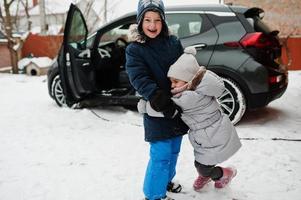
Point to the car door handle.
(85, 64)
(199, 46)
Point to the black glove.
(161, 102)
(172, 111)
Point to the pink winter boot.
(228, 174)
(200, 182)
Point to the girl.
(211, 133)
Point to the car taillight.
(256, 39)
(275, 79)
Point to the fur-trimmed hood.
(196, 80)
(134, 35)
(191, 85)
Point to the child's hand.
(177, 92)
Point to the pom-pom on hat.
(186, 67)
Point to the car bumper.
(276, 90)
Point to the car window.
(115, 33)
(184, 24)
(78, 31)
(90, 40)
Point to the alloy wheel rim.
(58, 93)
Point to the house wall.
(40, 46)
(282, 15)
(294, 45)
(4, 55)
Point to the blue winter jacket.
(147, 65)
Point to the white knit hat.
(185, 67)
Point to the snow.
(48, 153)
(42, 62)
(53, 29)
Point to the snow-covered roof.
(41, 62)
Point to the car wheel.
(57, 91)
(232, 101)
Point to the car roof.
(197, 7)
(200, 7)
(208, 7)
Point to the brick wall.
(282, 15)
(294, 45)
(39, 46)
(4, 55)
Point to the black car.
(232, 41)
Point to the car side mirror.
(81, 45)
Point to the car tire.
(232, 101)
(57, 91)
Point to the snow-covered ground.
(52, 153)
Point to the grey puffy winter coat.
(211, 133)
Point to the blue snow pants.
(161, 167)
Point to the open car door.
(76, 72)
